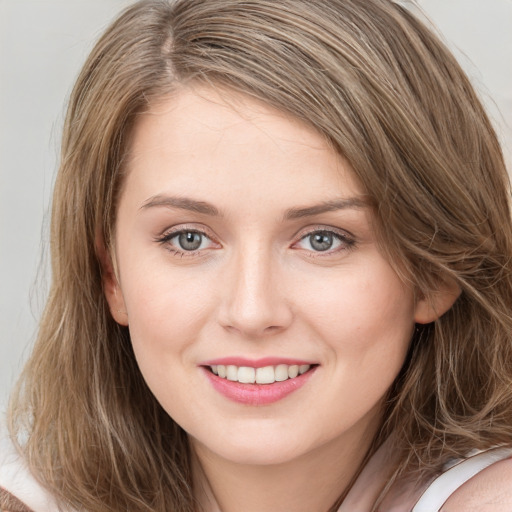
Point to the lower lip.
(257, 394)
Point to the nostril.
(272, 328)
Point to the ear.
(111, 287)
(437, 303)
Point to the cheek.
(365, 309)
(165, 320)
(166, 309)
(366, 322)
(167, 315)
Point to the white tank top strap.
(16, 479)
(436, 494)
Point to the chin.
(257, 451)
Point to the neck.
(314, 481)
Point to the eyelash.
(166, 239)
(345, 240)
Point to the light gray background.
(42, 46)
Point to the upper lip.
(255, 363)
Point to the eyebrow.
(205, 208)
(326, 206)
(182, 203)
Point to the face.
(262, 314)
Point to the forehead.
(208, 141)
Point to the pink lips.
(254, 363)
(256, 394)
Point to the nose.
(254, 303)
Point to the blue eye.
(189, 240)
(325, 241)
(321, 241)
(186, 241)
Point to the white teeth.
(293, 371)
(232, 372)
(265, 375)
(281, 372)
(303, 368)
(246, 375)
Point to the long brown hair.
(390, 98)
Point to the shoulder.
(9, 503)
(20, 491)
(488, 491)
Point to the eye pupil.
(190, 241)
(321, 241)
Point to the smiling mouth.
(263, 375)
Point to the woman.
(281, 272)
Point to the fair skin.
(242, 237)
(489, 491)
